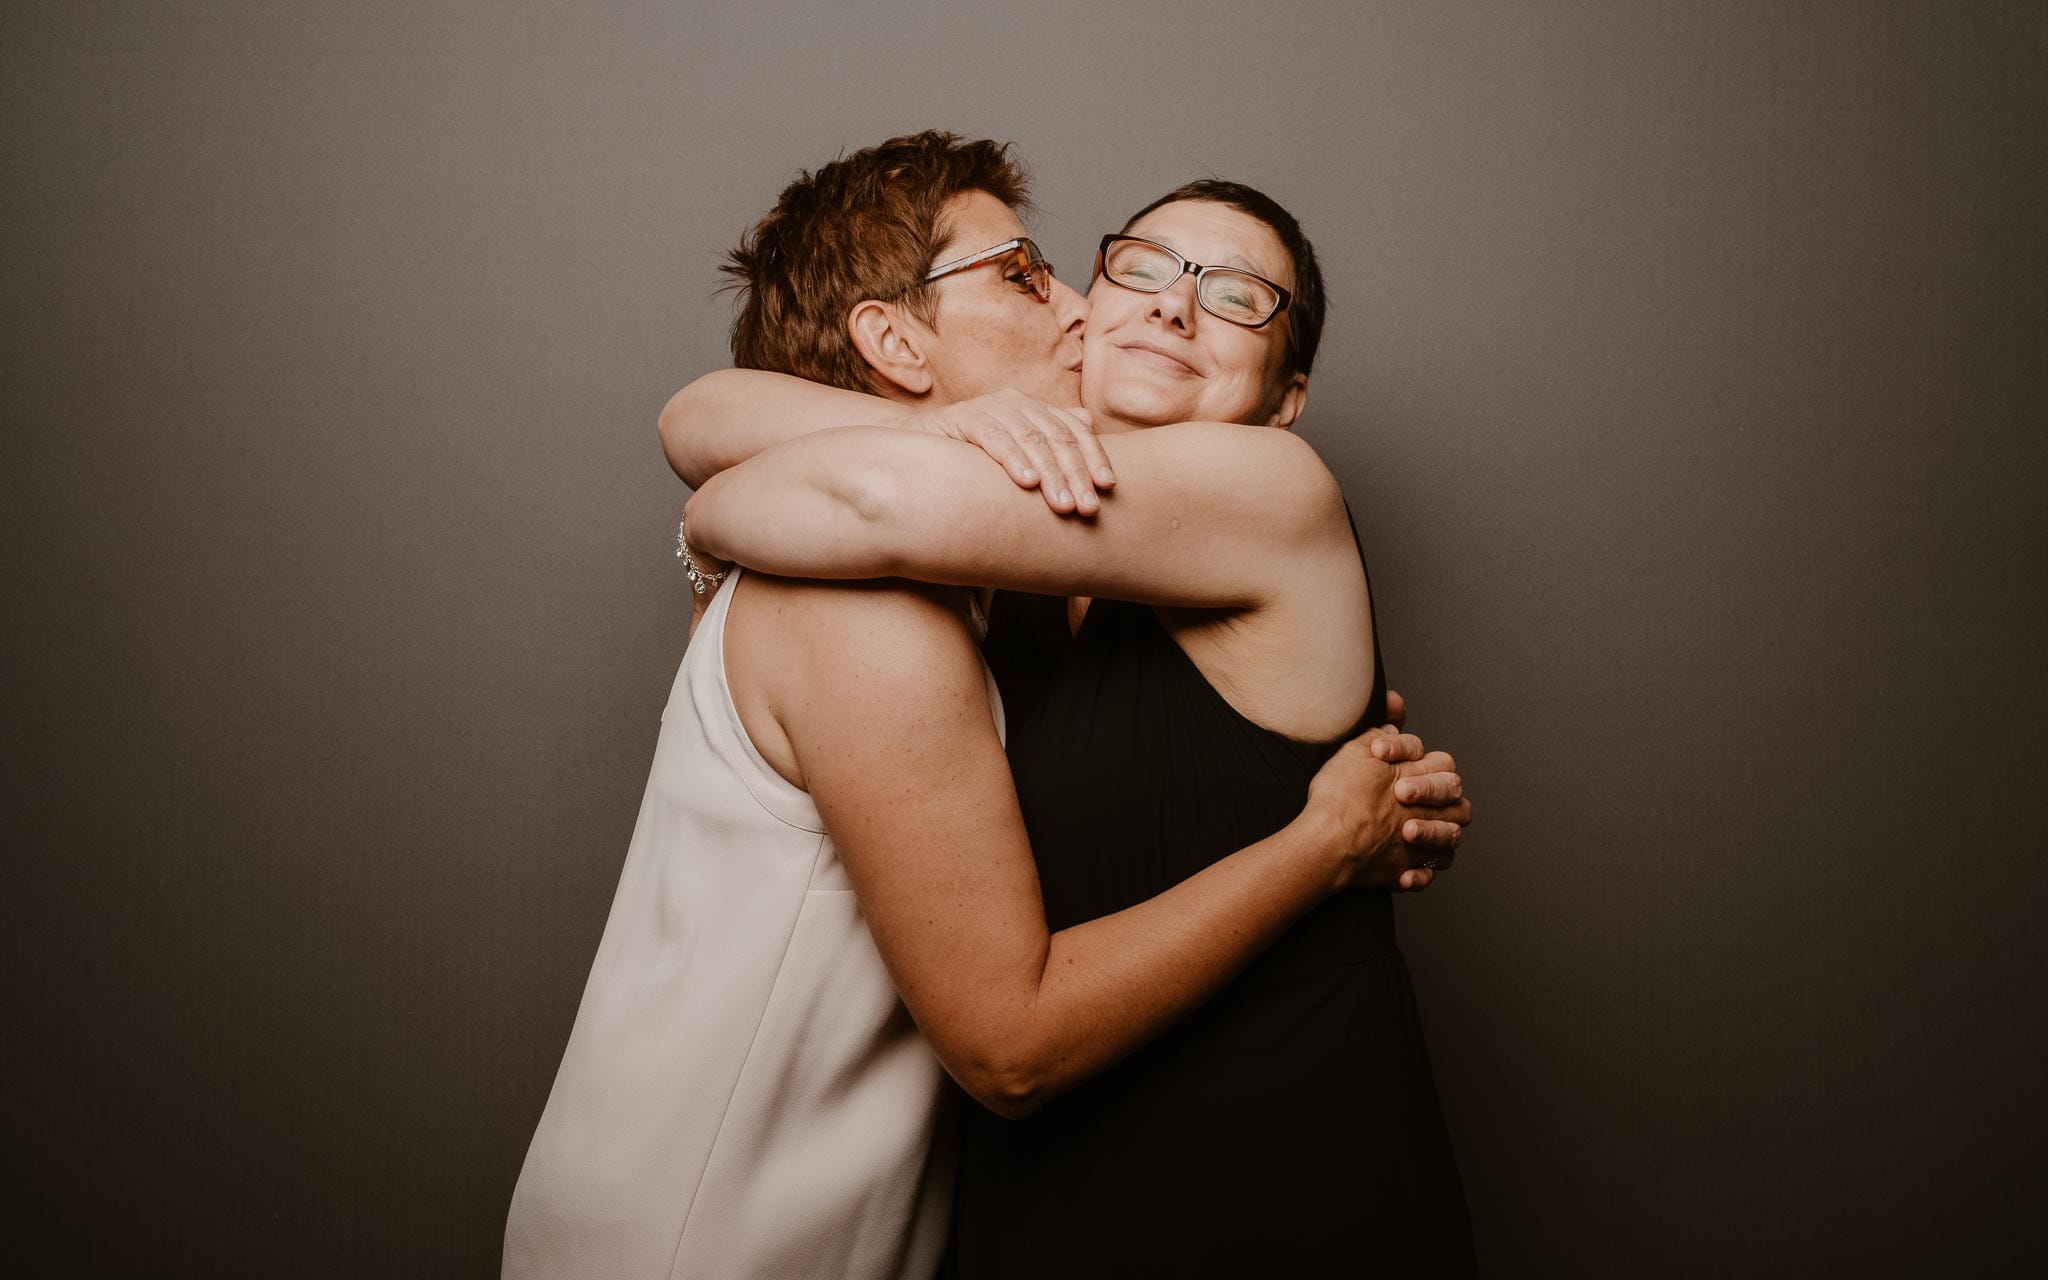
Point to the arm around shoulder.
(890, 721)
(1204, 514)
(729, 415)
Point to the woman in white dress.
(829, 822)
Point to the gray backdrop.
(1685, 370)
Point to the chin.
(1138, 401)
(1140, 410)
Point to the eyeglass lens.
(1037, 271)
(1234, 295)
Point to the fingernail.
(1065, 496)
(1028, 475)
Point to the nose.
(1175, 305)
(1070, 307)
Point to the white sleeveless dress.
(743, 1093)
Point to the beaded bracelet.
(701, 579)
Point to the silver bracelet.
(702, 580)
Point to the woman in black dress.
(1291, 1126)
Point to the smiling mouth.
(1158, 359)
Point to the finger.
(1355, 754)
(1023, 417)
(1416, 879)
(1027, 436)
(1458, 811)
(1428, 762)
(1397, 746)
(1081, 455)
(1030, 440)
(1430, 788)
(1091, 449)
(998, 443)
(1435, 839)
(1055, 447)
(1397, 710)
(1353, 769)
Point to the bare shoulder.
(1300, 660)
(809, 662)
(889, 632)
(1276, 469)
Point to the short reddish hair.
(865, 226)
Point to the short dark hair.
(1305, 315)
(865, 226)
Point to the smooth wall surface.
(1686, 371)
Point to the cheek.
(1262, 357)
(1109, 305)
(1246, 372)
(1030, 326)
(1050, 334)
(1237, 355)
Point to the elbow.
(675, 440)
(1010, 1095)
(1011, 1082)
(873, 501)
(704, 518)
(868, 491)
(1012, 1108)
(682, 442)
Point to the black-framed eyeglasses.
(1241, 297)
(1021, 260)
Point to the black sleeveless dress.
(1289, 1127)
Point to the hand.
(1434, 793)
(1041, 447)
(1392, 806)
(1437, 841)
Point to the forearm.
(1110, 985)
(866, 502)
(724, 418)
(831, 506)
(888, 717)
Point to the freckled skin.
(995, 334)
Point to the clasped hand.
(1040, 446)
(1399, 810)
(1402, 809)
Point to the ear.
(1288, 407)
(892, 344)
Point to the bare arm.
(726, 417)
(1204, 514)
(893, 738)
